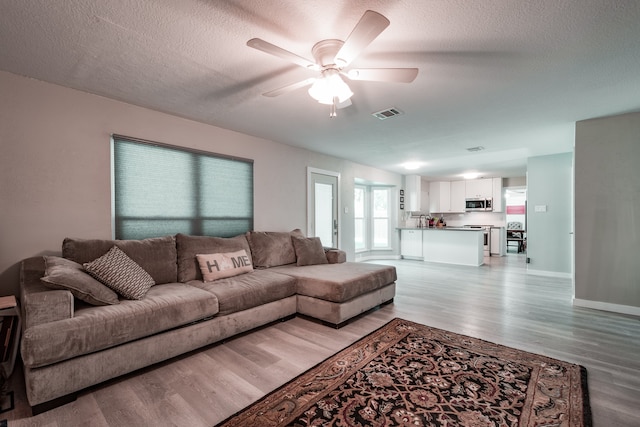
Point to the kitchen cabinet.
(411, 244)
(497, 195)
(458, 194)
(439, 197)
(412, 193)
(479, 188)
(454, 246)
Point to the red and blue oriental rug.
(407, 374)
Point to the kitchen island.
(448, 245)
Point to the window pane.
(358, 204)
(225, 188)
(380, 233)
(150, 180)
(380, 203)
(359, 234)
(324, 213)
(148, 227)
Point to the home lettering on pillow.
(223, 265)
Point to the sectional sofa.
(110, 307)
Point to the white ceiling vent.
(388, 113)
(474, 149)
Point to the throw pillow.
(119, 272)
(61, 273)
(309, 251)
(219, 266)
(190, 246)
(272, 248)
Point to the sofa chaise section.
(335, 293)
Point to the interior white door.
(323, 207)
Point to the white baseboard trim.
(375, 257)
(607, 306)
(549, 273)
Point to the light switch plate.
(541, 208)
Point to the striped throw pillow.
(122, 274)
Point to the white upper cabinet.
(458, 194)
(439, 197)
(497, 195)
(412, 193)
(479, 188)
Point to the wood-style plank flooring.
(497, 302)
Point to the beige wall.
(607, 213)
(55, 168)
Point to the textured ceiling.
(512, 76)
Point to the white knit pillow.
(122, 274)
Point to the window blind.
(161, 190)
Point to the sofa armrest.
(336, 256)
(40, 304)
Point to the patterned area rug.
(407, 374)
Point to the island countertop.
(440, 229)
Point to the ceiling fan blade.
(368, 28)
(344, 104)
(290, 88)
(281, 53)
(398, 75)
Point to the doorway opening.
(516, 220)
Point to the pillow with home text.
(222, 265)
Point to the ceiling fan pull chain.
(332, 111)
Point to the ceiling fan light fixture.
(330, 86)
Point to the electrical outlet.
(528, 260)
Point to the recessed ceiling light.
(411, 165)
(470, 175)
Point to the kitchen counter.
(448, 245)
(440, 229)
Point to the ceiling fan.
(332, 57)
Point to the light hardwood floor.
(497, 302)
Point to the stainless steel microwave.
(485, 205)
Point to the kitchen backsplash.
(496, 219)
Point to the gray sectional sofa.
(77, 332)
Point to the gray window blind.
(160, 190)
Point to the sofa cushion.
(249, 290)
(92, 328)
(157, 256)
(309, 251)
(339, 282)
(335, 256)
(61, 273)
(219, 266)
(190, 246)
(122, 274)
(272, 248)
